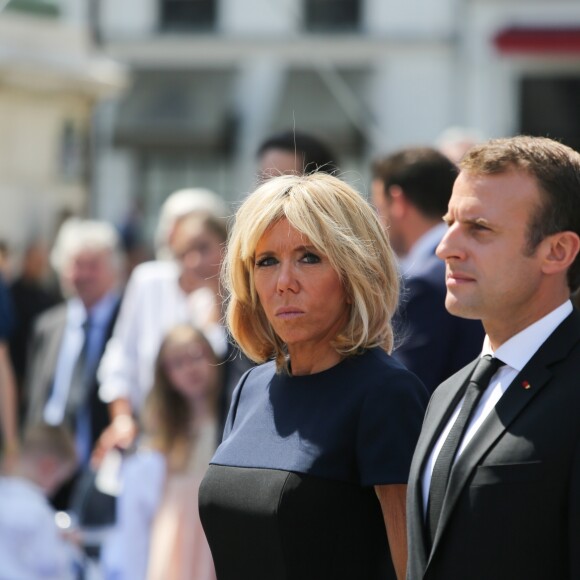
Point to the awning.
(539, 40)
(179, 109)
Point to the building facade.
(210, 79)
(50, 81)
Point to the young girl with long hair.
(158, 533)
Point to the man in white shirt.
(411, 188)
(494, 489)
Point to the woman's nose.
(191, 259)
(287, 279)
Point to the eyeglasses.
(177, 362)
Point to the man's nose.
(451, 245)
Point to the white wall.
(128, 18)
(431, 64)
(49, 78)
(33, 189)
(75, 12)
(411, 92)
(115, 172)
(264, 18)
(411, 17)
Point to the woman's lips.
(288, 312)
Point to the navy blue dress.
(289, 493)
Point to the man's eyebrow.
(480, 221)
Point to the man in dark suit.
(494, 489)
(69, 339)
(411, 189)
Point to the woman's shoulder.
(375, 360)
(381, 370)
(253, 382)
(259, 375)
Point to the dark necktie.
(78, 387)
(484, 370)
(78, 414)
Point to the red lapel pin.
(526, 385)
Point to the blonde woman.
(309, 481)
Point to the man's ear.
(398, 202)
(560, 251)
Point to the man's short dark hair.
(555, 167)
(316, 155)
(425, 175)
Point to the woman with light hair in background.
(159, 295)
(309, 480)
(178, 205)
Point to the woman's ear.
(349, 299)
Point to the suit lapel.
(48, 356)
(535, 375)
(54, 341)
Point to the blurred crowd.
(115, 379)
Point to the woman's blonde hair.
(341, 225)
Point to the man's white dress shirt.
(515, 353)
(73, 340)
(72, 344)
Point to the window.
(188, 15)
(549, 108)
(332, 15)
